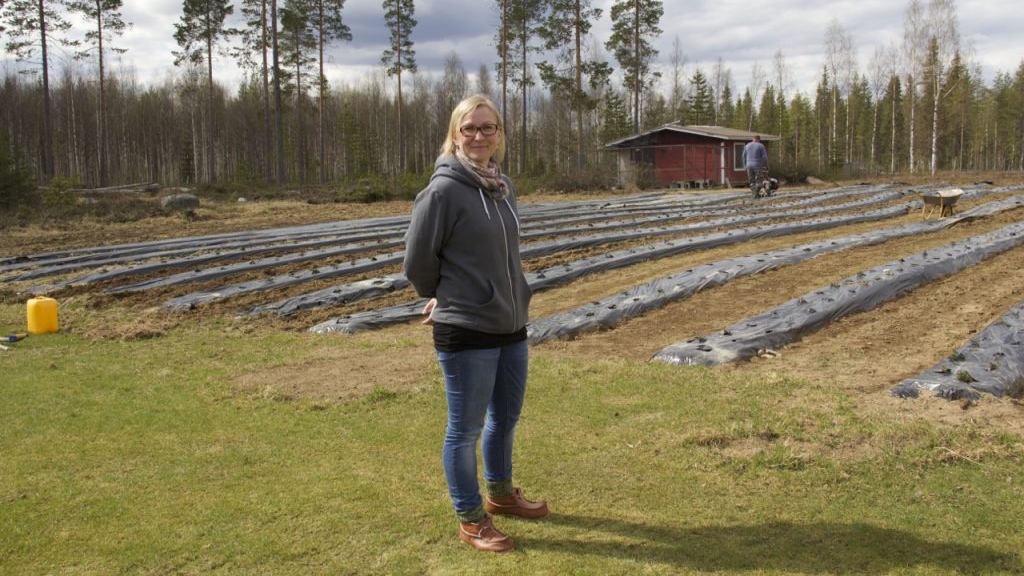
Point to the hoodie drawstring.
(519, 230)
(483, 202)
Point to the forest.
(921, 105)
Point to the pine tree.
(17, 190)
(699, 104)
(801, 114)
(766, 118)
(400, 56)
(520, 20)
(504, 64)
(564, 77)
(201, 28)
(726, 110)
(634, 27)
(327, 26)
(616, 123)
(31, 27)
(297, 44)
(745, 109)
(253, 56)
(892, 119)
(275, 51)
(105, 15)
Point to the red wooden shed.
(677, 155)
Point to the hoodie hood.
(448, 166)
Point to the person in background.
(462, 252)
(755, 159)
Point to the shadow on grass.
(825, 548)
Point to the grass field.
(147, 456)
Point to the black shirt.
(451, 338)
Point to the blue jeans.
(485, 390)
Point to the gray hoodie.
(462, 247)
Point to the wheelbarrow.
(943, 201)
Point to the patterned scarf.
(489, 176)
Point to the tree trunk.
(913, 121)
(935, 130)
(522, 127)
(323, 99)
(401, 125)
(268, 146)
(636, 64)
(278, 111)
(47, 136)
(300, 130)
(874, 136)
(102, 128)
(503, 49)
(581, 160)
(892, 138)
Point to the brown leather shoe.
(484, 536)
(515, 505)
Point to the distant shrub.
(369, 188)
(408, 184)
(590, 179)
(378, 188)
(59, 197)
(583, 180)
(18, 191)
(797, 171)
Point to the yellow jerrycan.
(42, 315)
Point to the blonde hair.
(463, 109)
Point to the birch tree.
(781, 80)
(840, 59)
(943, 52)
(677, 89)
(915, 46)
(454, 84)
(720, 82)
(881, 69)
(757, 82)
(484, 81)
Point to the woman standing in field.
(462, 252)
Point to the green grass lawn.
(144, 457)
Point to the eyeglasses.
(470, 131)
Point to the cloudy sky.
(741, 32)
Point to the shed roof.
(714, 132)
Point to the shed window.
(737, 157)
